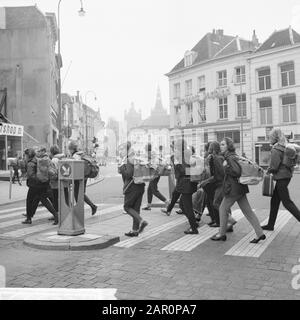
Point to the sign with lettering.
(216, 94)
(8, 129)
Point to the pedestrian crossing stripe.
(189, 242)
(245, 249)
(150, 233)
(57, 294)
(30, 229)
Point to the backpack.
(53, 172)
(42, 169)
(91, 168)
(251, 173)
(290, 156)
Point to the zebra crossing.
(21, 230)
(11, 228)
(187, 243)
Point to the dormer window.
(189, 58)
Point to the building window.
(178, 115)
(288, 104)
(190, 119)
(188, 88)
(188, 60)
(265, 111)
(241, 105)
(201, 111)
(223, 108)
(264, 79)
(176, 90)
(222, 78)
(234, 135)
(287, 74)
(201, 84)
(240, 74)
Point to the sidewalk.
(18, 193)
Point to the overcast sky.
(121, 49)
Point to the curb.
(22, 200)
(101, 243)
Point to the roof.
(24, 17)
(281, 38)
(214, 45)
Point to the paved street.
(162, 263)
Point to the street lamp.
(81, 13)
(86, 118)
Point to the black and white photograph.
(149, 151)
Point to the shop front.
(11, 143)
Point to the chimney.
(214, 32)
(255, 40)
(220, 32)
(77, 96)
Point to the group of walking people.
(46, 190)
(219, 188)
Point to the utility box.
(71, 197)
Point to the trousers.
(244, 205)
(281, 194)
(153, 190)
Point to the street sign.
(65, 170)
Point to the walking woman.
(214, 185)
(133, 193)
(152, 187)
(184, 184)
(37, 190)
(235, 192)
(282, 174)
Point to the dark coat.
(32, 180)
(231, 185)
(279, 170)
(127, 170)
(183, 181)
(217, 172)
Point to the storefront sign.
(7, 129)
(216, 94)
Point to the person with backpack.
(79, 155)
(55, 156)
(235, 192)
(213, 185)
(282, 163)
(38, 183)
(152, 187)
(184, 185)
(133, 192)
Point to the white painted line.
(189, 242)
(41, 227)
(57, 294)
(21, 210)
(245, 249)
(13, 222)
(12, 209)
(26, 231)
(151, 233)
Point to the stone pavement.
(140, 269)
